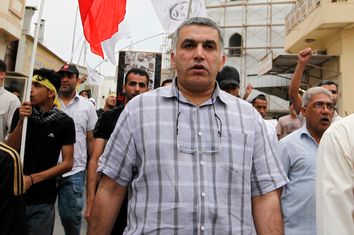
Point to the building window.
(235, 44)
(10, 55)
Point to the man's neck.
(107, 107)
(293, 116)
(66, 97)
(197, 98)
(316, 136)
(46, 107)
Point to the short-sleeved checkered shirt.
(183, 184)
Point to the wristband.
(31, 179)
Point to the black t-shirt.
(99, 112)
(103, 129)
(12, 189)
(106, 123)
(43, 146)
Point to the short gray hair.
(307, 96)
(201, 21)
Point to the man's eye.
(188, 45)
(209, 46)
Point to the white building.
(254, 32)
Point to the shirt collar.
(171, 92)
(74, 99)
(304, 133)
(2, 89)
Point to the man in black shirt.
(109, 104)
(49, 132)
(136, 82)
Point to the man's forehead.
(260, 101)
(68, 75)
(330, 87)
(194, 32)
(321, 98)
(137, 78)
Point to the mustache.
(198, 66)
(325, 119)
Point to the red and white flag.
(100, 20)
(173, 12)
(109, 45)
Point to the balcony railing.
(302, 9)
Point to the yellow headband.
(45, 82)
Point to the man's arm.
(90, 141)
(92, 175)
(107, 203)
(14, 139)
(267, 215)
(279, 128)
(303, 58)
(61, 168)
(14, 104)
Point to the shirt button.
(201, 163)
(200, 133)
(202, 228)
(203, 194)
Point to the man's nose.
(199, 52)
(137, 88)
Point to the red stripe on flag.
(100, 20)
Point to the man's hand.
(28, 181)
(25, 110)
(304, 56)
(89, 204)
(248, 91)
(82, 79)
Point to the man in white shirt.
(260, 103)
(72, 184)
(335, 179)
(8, 104)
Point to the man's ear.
(303, 111)
(2, 75)
(173, 61)
(223, 59)
(51, 94)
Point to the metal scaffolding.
(261, 25)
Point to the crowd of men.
(190, 157)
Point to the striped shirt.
(183, 184)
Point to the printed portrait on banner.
(147, 61)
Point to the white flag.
(94, 78)
(172, 13)
(109, 45)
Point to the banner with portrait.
(147, 61)
(173, 12)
